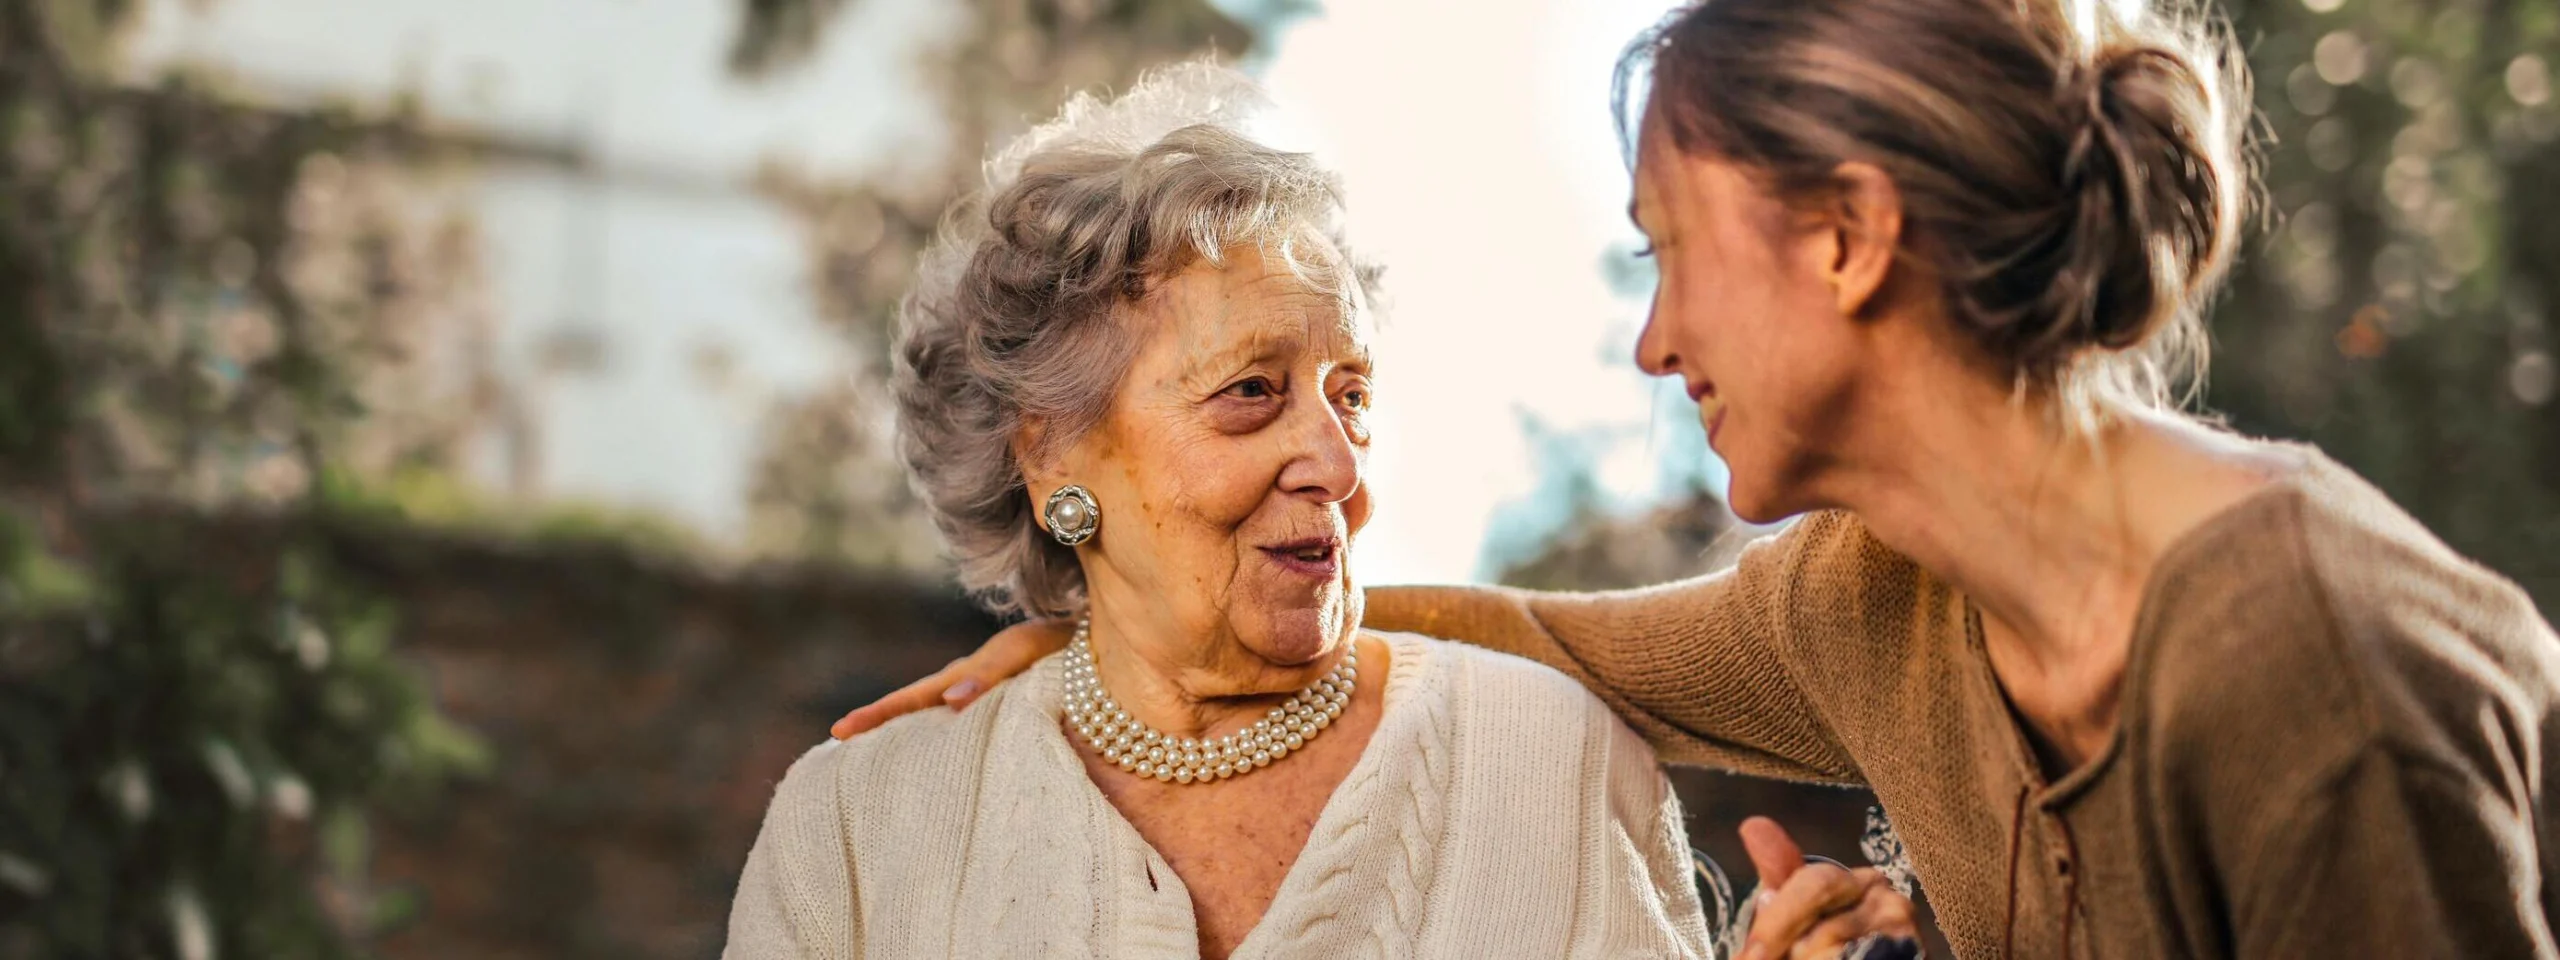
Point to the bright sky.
(1482, 167)
(1474, 139)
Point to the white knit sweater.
(1498, 811)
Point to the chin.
(1755, 502)
(1305, 634)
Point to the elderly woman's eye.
(1356, 398)
(1254, 389)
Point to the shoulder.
(2391, 585)
(810, 783)
(2321, 616)
(936, 733)
(859, 791)
(1520, 708)
(930, 752)
(1462, 672)
(1829, 548)
(836, 775)
(1842, 581)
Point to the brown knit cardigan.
(2333, 739)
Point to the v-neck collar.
(2172, 565)
(1039, 714)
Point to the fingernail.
(960, 692)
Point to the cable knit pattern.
(1497, 811)
(1416, 751)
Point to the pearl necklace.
(1143, 750)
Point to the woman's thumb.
(1774, 854)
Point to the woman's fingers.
(927, 692)
(1880, 911)
(1016, 648)
(1809, 897)
(1011, 651)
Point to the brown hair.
(2079, 187)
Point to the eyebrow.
(1364, 360)
(1262, 346)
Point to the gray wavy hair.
(1019, 311)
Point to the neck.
(1188, 682)
(2052, 535)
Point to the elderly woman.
(1131, 388)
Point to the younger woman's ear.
(1866, 226)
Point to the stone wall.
(637, 713)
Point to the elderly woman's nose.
(1325, 459)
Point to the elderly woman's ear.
(1064, 509)
(1034, 456)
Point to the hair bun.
(2071, 171)
(2150, 196)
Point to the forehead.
(1655, 162)
(1261, 301)
(1674, 186)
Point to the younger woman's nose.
(1653, 350)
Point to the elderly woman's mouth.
(1314, 557)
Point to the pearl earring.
(1072, 515)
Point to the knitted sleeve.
(795, 897)
(1697, 667)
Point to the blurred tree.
(204, 306)
(2399, 313)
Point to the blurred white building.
(650, 309)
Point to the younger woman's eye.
(1646, 252)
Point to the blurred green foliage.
(191, 733)
(2398, 312)
(190, 759)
